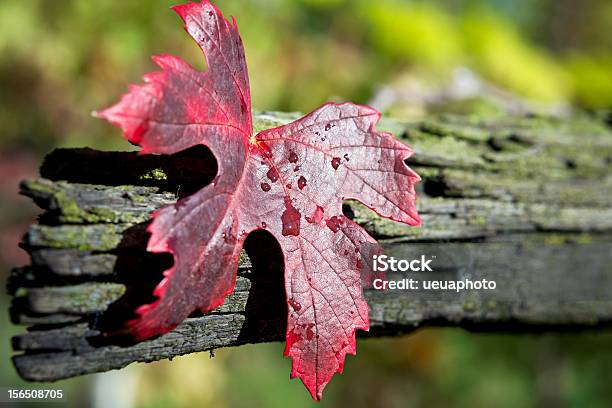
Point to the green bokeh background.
(61, 59)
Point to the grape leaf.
(290, 180)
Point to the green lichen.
(88, 297)
(155, 174)
(444, 151)
(101, 237)
(243, 259)
(426, 173)
(456, 130)
(554, 239)
(469, 306)
(59, 198)
(21, 293)
(478, 220)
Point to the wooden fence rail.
(523, 201)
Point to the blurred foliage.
(61, 59)
(65, 58)
(501, 54)
(430, 368)
(592, 78)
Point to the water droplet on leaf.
(295, 304)
(301, 182)
(290, 219)
(334, 223)
(265, 187)
(335, 163)
(272, 174)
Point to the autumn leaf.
(290, 180)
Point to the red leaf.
(290, 180)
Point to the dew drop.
(296, 168)
(265, 187)
(346, 157)
(301, 182)
(295, 304)
(335, 163)
(290, 219)
(263, 224)
(334, 223)
(272, 174)
(318, 133)
(289, 186)
(328, 127)
(293, 157)
(210, 13)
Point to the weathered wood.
(530, 298)
(523, 201)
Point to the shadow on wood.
(182, 173)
